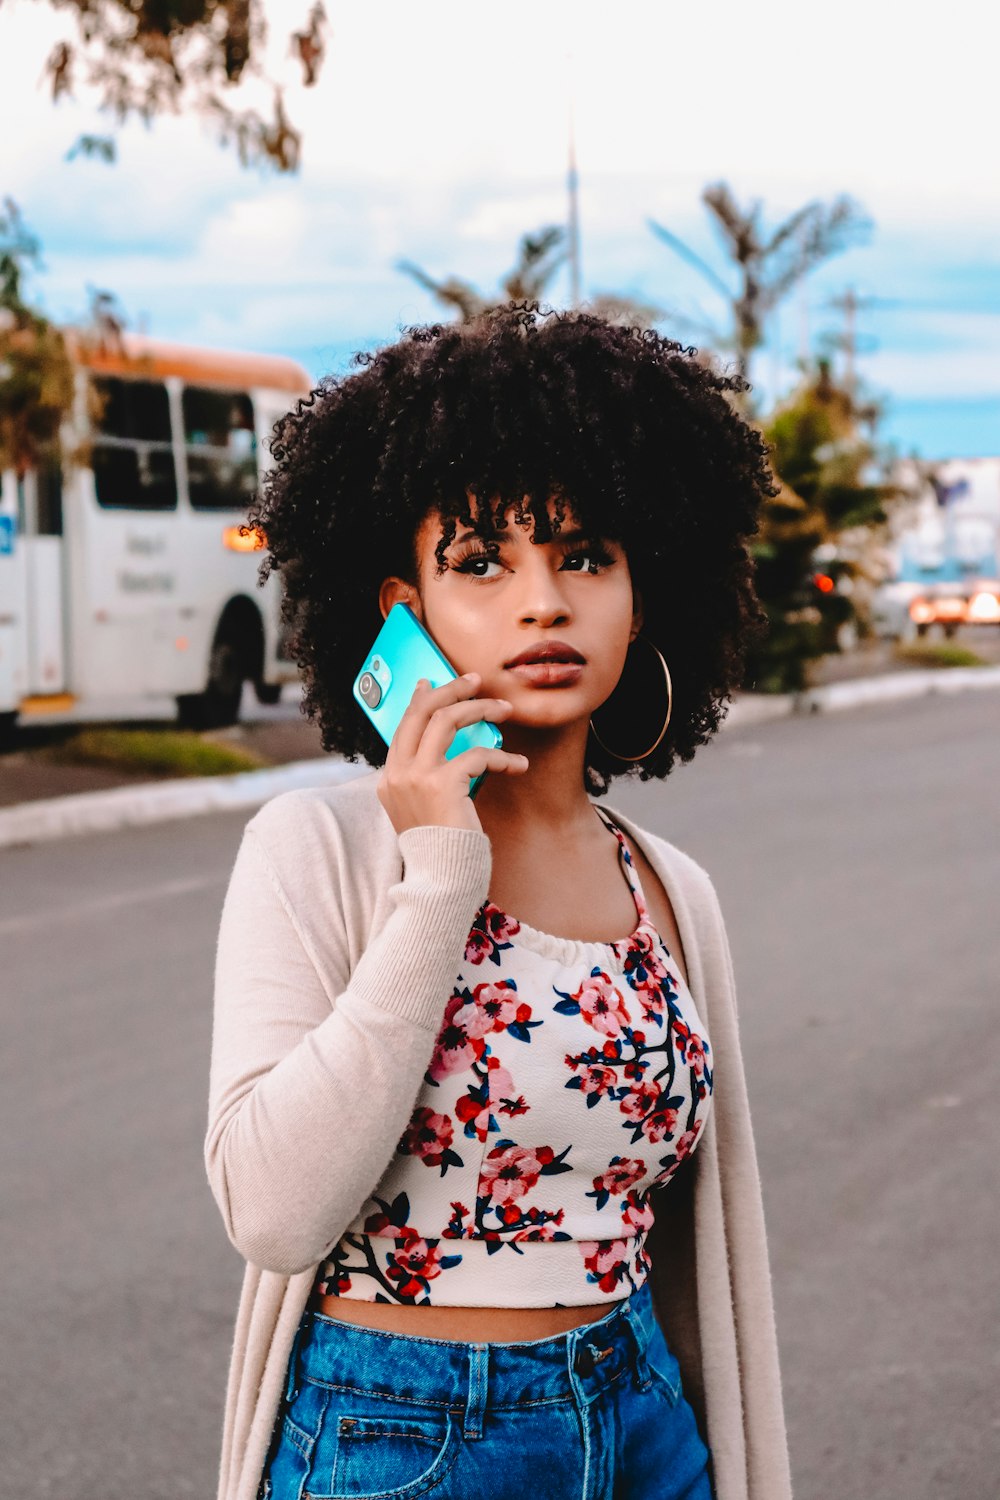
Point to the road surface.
(857, 857)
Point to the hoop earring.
(670, 703)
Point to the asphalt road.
(857, 857)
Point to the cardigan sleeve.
(311, 1090)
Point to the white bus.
(125, 577)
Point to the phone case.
(401, 654)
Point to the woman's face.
(546, 626)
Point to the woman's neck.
(549, 796)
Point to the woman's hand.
(418, 786)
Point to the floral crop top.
(568, 1079)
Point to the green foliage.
(937, 654)
(814, 548)
(167, 752)
(147, 58)
(36, 376)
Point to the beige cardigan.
(338, 945)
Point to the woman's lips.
(548, 674)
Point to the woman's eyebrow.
(498, 537)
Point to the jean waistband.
(467, 1378)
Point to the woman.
(478, 1121)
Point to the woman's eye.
(489, 565)
(477, 564)
(590, 558)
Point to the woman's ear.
(638, 615)
(398, 591)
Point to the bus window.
(132, 458)
(49, 500)
(221, 448)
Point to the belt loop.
(291, 1384)
(640, 1341)
(475, 1406)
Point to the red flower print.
(691, 1047)
(662, 1122)
(454, 1049)
(642, 1264)
(471, 1108)
(606, 1261)
(601, 1005)
(637, 1215)
(496, 1005)
(428, 1136)
(499, 926)
(621, 1174)
(491, 931)
(639, 1100)
(457, 1228)
(654, 1116)
(413, 1258)
(540, 1226)
(509, 1172)
(501, 1083)
(477, 1107)
(337, 1285)
(597, 1080)
(696, 1053)
(685, 1145)
(514, 1107)
(478, 945)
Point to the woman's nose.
(544, 603)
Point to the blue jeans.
(589, 1415)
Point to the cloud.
(440, 135)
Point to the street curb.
(162, 801)
(891, 687)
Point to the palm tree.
(768, 266)
(539, 257)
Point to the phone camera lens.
(369, 690)
(376, 664)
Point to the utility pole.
(850, 304)
(573, 185)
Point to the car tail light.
(984, 608)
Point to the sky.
(438, 133)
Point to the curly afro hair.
(627, 432)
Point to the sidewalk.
(41, 799)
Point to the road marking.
(101, 904)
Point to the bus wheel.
(268, 693)
(219, 705)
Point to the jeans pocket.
(392, 1456)
(301, 1423)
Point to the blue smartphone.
(401, 654)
